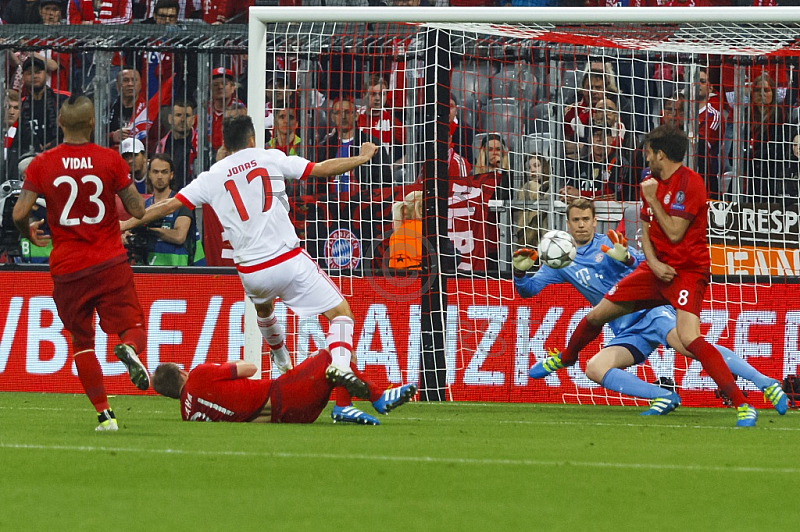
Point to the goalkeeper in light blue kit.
(600, 262)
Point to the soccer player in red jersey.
(677, 269)
(89, 265)
(222, 392)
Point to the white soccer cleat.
(281, 359)
(107, 422)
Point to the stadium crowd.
(532, 133)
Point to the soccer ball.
(557, 249)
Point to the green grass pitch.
(450, 466)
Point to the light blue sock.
(740, 367)
(623, 382)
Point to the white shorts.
(298, 282)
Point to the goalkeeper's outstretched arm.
(530, 285)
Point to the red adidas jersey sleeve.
(213, 392)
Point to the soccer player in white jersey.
(248, 192)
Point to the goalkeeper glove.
(524, 258)
(619, 251)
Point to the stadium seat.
(568, 94)
(502, 115)
(537, 118)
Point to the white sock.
(274, 334)
(340, 341)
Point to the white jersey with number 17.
(248, 192)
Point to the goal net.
(487, 120)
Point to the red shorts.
(109, 291)
(685, 292)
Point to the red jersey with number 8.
(682, 195)
(78, 182)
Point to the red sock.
(715, 366)
(342, 397)
(136, 338)
(584, 333)
(91, 376)
(375, 391)
(300, 395)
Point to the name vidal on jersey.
(241, 168)
(77, 163)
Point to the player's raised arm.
(154, 212)
(340, 165)
(132, 201)
(673, 226)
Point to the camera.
(140, 243)
(9, 236)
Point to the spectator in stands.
(38, 122)
(237, 108)
(120, 115)
(11, 116)
(59, 64)
(379, 122)
(284, 133)
(605, 115)
(529, 222)
(493, 154)
(606, 176)
(791, 183)
(598, 84)
(132, 150)
(765, 153)
(463, 135)
(99, 12)
(180, 142)
(227, 11)
(493, 159)
(405, 243)
(457, 166)
(674, 112)
(167, 73)
(22, 12)
(346, 139)
(50, 12)
(175, 240)
(709, 132)
(278, 96)
(223, 90)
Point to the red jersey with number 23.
(78, 182)
(213, 392)
(682, 195)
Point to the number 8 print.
(683, 297)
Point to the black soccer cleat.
(354, 386)
(136, 370)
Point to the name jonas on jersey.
(241, 168)
(76, 163)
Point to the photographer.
(170, 241)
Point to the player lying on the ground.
(223, 392)
(78, 180)
(599, 264)
(248, 192)
(677, 266)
